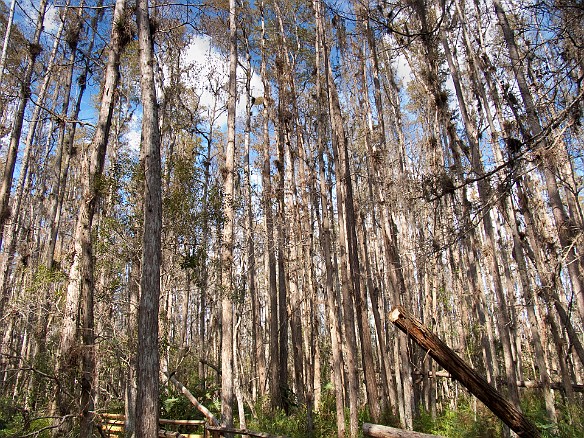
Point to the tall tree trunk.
(148, 359)
(132, 331)
(349, 267)
(363, 317)
(282, 134)
(270, 260)
(258, 365)
(67, 133)
(325, 232)
(227, 393)
(378, 162)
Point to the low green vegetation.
(16, 421)
(465, 420)
(468, 421)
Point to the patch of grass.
(16, 421)
(296, 424)
(570, 417)
(462, 422)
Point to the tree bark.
(349, 266)
(325, 231)
(227, 390)
(131, 388)
(148, 359)
(270, 260)
(281, 239)
(259, 365)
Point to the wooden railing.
(112, 425)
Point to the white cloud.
(209, 73)
(52, 19)
(133, 136)
(403, 69)
(400, 63)
(31, 11)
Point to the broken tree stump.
(459, 370)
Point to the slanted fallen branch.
(378, 431)
(211, 365)
(184, 390)
(475, 383)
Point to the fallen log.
(475, 383)
(168, 434)
(554, 385)
(217, 431)
(432, 374)
(378, 431)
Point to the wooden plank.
(112, 416)
(182, 422)
(474, 382)
(110, 424)
(378, 431)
